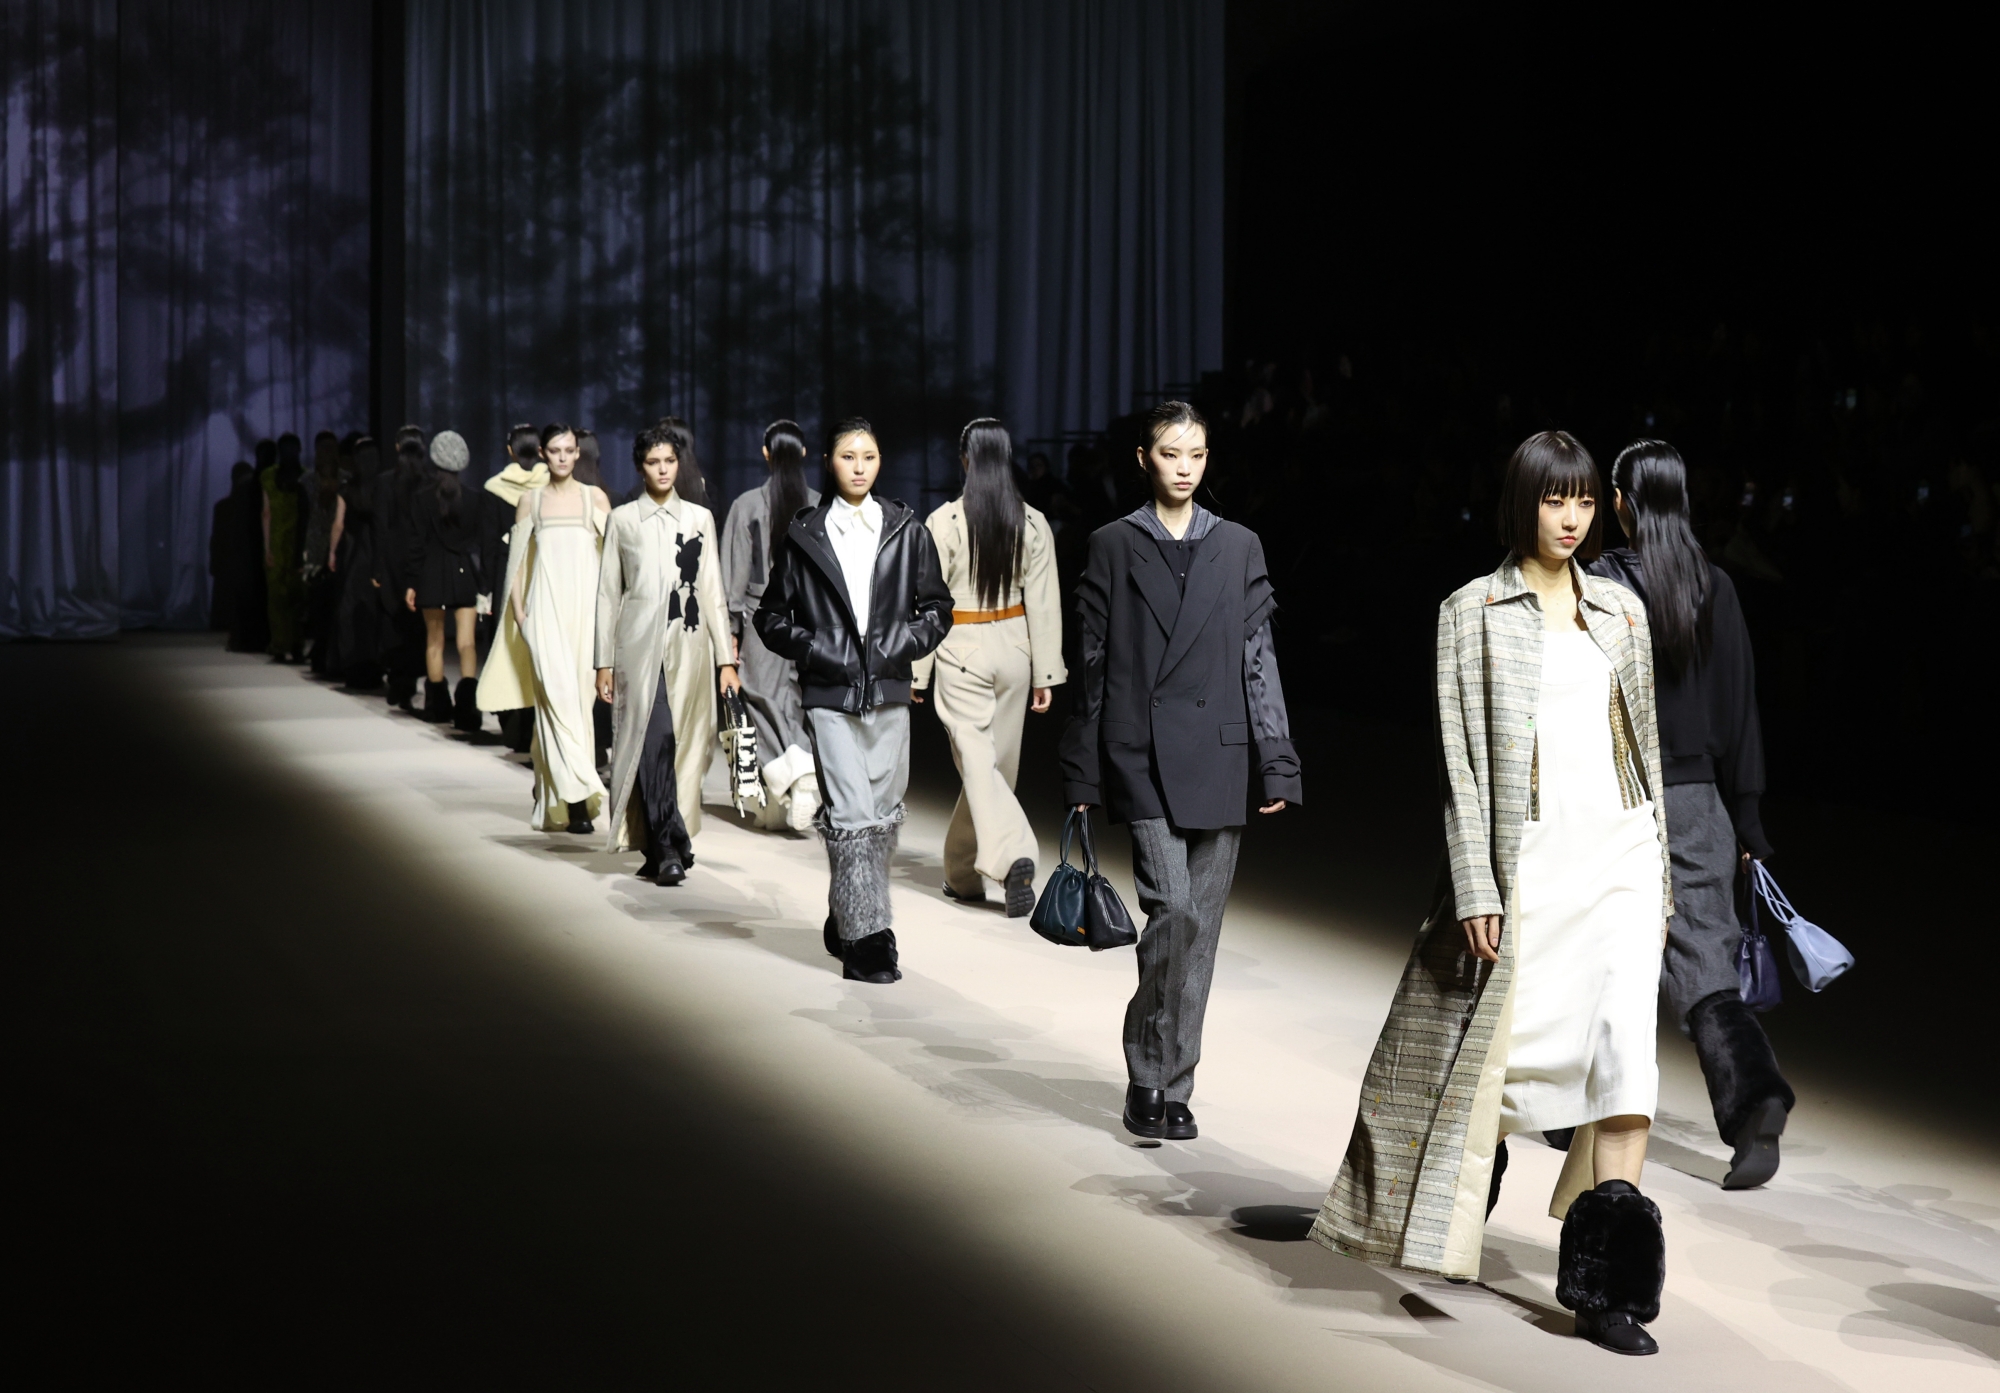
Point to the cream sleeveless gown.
(560, 630)
(1587, 918)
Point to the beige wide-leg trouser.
(982, 687)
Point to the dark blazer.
(805, 614)
(1171, 711)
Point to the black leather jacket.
(805, 614)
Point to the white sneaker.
(803, 803)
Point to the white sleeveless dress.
(1587, 916)
(561, 630)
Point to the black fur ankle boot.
(1613, 1266)
(402, 692)
(465, 706)
(1750, 1097)
(437, 702)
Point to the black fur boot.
(437, 702)
(465, 713)
(402, 692)
(1613, 1266)
(1750, 1097)
(871, 959)
(1499, 1170)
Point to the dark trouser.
(1698, 970)
(666, 833)
(1183, 880)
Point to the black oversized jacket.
(1709, 731)
(805, 614)
(1180, 688)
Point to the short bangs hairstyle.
(1548, 464)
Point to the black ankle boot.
(465, 706)
(1145, 1111)
(830, 933)
(872, 959)
(1750, 1097)
(1613, 1267)
(402, 691)
(437, 702)
(1499, 1170)
(579, 818)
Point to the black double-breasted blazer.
(1180, 692)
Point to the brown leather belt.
(987, 616)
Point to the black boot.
(402, 691)
(1613, 1267)
(465, 706)
(579, 818)
(517, 728)
(1021, 889)
(872, 959)
(1145, 1111)
(1499, 1170)
(437, 702)
(1750, 1097)
(830, 933)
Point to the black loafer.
(1617, 1332)
(976, 897)
(1021, 889)
(872, 959)
(1146, 1111)
(579, 819)
(672, 872)
(1756, 1159)
(1180, 1123)
(830, 934)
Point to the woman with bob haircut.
(1529, 1001)
(1712, 752)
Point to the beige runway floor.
(979, 1100)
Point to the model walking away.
(662, 650)
(284, 553)
(507, 681)
(443, 570)
(855, 597)
(324, 528)
(358, 617)
(1180, 698)
(1712, 757)
(552, 567)
(395, 504)
(751, 540)
(1002, 659)
(1528, 1003)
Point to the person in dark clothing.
(226, 558)
(442, 577)
(285, 512)
(856, 595)
(358, 616)
(1180, 697)
(402, 630)
(323, 523)
(1712, 757)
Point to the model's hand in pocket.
(1482, 936)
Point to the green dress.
(284, 586)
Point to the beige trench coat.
(1412, 1190)
(644, 603)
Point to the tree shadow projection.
(729, 235)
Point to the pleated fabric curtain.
(187, 272)
(734, 210)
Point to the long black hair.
(688, 482)
(1653, 478)
(785, 443)
(995, 518)
(587, 471)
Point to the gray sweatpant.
(1183, 880)
(1703, 935)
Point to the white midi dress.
(560, 630)
(1587, 915)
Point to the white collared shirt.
(856, 534)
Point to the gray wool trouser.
(1183, 880)
(1703, 935)
(863, 763)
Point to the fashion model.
(1002, 659)
(402, 631)
(507, 682)
(1181, 698)
(1712, 760)
(855, 597)
(358, 619)
(552, 587)
(751, 540)
(1528, 1003)
(662, 649)
(284, 554)
(443, 570)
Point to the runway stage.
(334, 1073)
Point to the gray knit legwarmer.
(858, 891)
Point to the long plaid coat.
(1412, 1190)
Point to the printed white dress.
(1588, 912)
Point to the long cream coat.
(507, 677)
(1412, 1190)
(645, 601)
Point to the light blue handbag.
(1817, 956)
